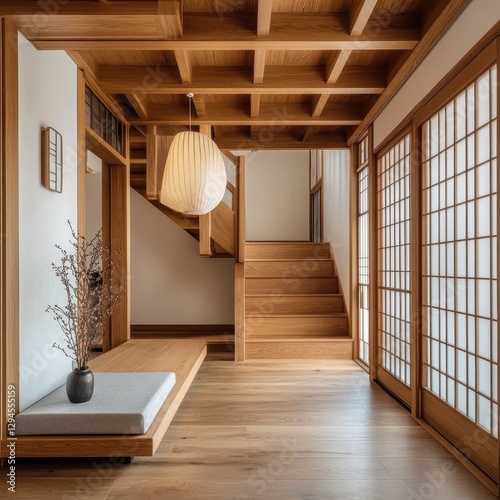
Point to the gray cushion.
(123, 403)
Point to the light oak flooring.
(273, 430)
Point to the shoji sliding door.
(460, 255)
(363, 253)
(394, 271)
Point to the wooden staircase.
(288, 303)
(293, 305)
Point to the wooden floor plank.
(277, 430)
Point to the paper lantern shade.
(195, 177)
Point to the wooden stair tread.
(298, 259)
(327, 277)
(285, 243)
(295, 295)
(290, 315)
(317, 338)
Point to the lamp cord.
(190, 96)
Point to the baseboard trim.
(139, 331)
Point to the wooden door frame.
(9, 225)
(116, 207)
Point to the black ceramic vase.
(80, 385)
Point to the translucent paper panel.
(460, 252)
(394, 257)
(363, 253)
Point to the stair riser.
(304, 268)
(293, 327)
(287, 251)
(279, 286)
(299, 350)
(269, 305)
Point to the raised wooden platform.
(183, 357)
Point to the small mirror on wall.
(52, 159)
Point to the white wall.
(336, 208)
(47, 97)
(170, 283)
(470, 27)
(277, 196)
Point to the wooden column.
(120, 243)
(239, 268)
(151, 163)
(119, 178)
(353, 257)
(157, 147)
(205, 223)
(416, 266)
(373, 252)
(239, 312)
(9, 223)
(241, 234)
(106, 238)
(498, 219)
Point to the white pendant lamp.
(195, 177)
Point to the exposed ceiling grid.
(310, 71)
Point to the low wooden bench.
(183, 357)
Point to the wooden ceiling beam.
(20, 8)
(206, 130)
(184, 65)
(389, 42)
(89, 70)
(259, 65)
(450, 12)
(308, 134)
(270, 115)
(323, 140)
(335, 65)
(170, 14)
(254, 105)
(200, 106)
(318, 104)
(138, 104)
(264, 13)
(295, 31)
(238, 80)
(359, 15)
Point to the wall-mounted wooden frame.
(52, 159)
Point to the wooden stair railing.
(217, 227)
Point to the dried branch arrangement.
(87, 273)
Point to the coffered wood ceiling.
(265, 73)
